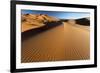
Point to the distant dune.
(83, 21)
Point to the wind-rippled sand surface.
(61, 43)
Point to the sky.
(58, 14)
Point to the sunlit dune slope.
(31, 21)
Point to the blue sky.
(59, 14)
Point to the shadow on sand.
(36, 31)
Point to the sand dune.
(54, 39)
(32, 21)
(62, 43)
